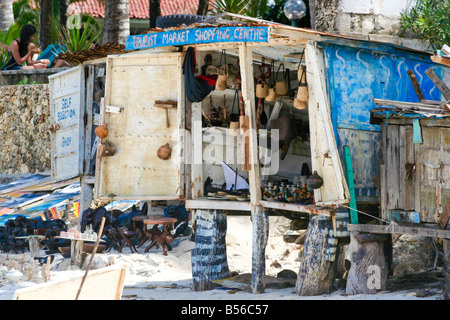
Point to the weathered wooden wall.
(140, 129)
(355, 75)
(427, 189)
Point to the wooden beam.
(205, 204)
(310, 209)
(248, 94)
(409, 105)
(324, 153)
(396, 229)
(260, 219)
(438, 83)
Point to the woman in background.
(22, 51)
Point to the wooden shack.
(147, 107)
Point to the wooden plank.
(101, 284)
(310, 209)
(351, 185)
(438, 83)
(244, 122)
(392, 169)
(248, 94)
(325, 157)
(197, 151)
(415, 84)
(446, 269)
(408, 105)
(260, 220)
(218, 205)
(396, 229)
(441, 60)
(86, 188)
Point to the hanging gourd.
(101, 131)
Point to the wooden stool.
(157, 237)
(128, 238)
(144, 234)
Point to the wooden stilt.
(209, 257)
(316, 274)
(369, 266)
(446, 269)
(260, 221)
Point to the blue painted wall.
(357, 74)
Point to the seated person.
(23, 49)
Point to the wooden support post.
(369, 264)
(34, 243)
(446, 269)
(259, 215)
(316, 274)
(209, 257)
(86, 184)
(260, 222)
(76, 255)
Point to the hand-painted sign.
(200, 35)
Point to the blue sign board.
(195, 36)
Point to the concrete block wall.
(376, 20)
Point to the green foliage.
(258, 8)
(430, 20)
(6, 37)
(23, 14)
(251, 8)
(276, 13)
(74, 39)
(26, 81)
(231, 6)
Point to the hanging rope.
(391, 224)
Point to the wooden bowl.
(66, 251)
(89, 247)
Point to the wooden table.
(163, 238)
(33, 242)
(76, 250)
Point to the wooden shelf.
(207, 204)
(218, 205)
(311, 209)
(396, 229)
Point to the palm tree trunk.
(63, 5)
(155, 12)
(312, 13)
(6, 14)
(202, 7)
(45, 30)
(117, 21)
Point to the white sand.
(153, 276)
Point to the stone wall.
(13, 77)
(375, 20)
(24, 135)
